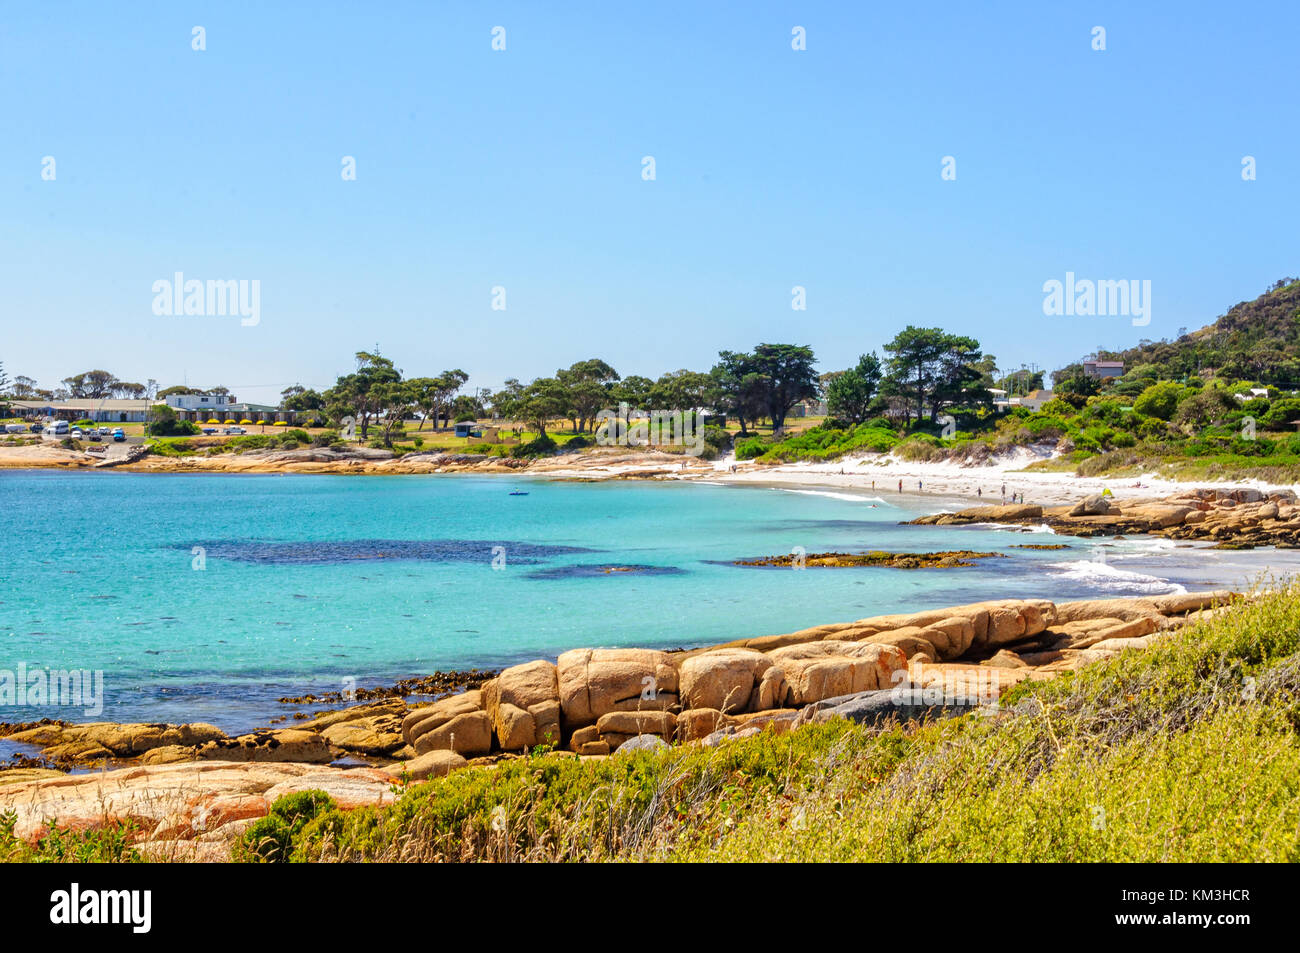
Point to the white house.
(199, 401)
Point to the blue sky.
(522, 169)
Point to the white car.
(235, 430)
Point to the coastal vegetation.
(1187, 751)
(1219, 402)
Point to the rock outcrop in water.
(1234, 519)
(590, 702)
(941, 560)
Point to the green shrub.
(1173, 745)
(540, 446)
(165, 423)
(107, 845)
(1160, 400)
(270, 839)
(750, 448)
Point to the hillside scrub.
(1185, 751)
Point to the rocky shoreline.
(190, 790)
(591, 463)
(1232, 519)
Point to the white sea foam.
(1107, 578)
(848, 497)
(1014, 528)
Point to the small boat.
(518, 492)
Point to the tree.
(681, 390)
(24, 387)
(1159, 400)
(129, 390)
(91, 385)
(395, 399)
(536, 404)
(506, 399)
(163, 422)
(359, 395)
(178, 390)
(790, 376)
(963, 372)
(449, 383)
(1077, 389)
(930, 367)
(301, 398)
(434, 396)
(466, 407)
(1208, 406)
(424, 394)
(740, 390)
(589, 384)
(849, 394)
(634, 391)
(4, 378)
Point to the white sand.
(956, 480)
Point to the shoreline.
(983, 483)
(936, 663)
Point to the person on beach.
(918, 486)
(979, 492)
(900, 486)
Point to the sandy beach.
(881, 473)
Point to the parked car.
(94, 437)
(37, 428)
(59, 428)
(104, 431)
(76, 433)
(118, 435)
(236, 430)
(209, 431)
(15, 428)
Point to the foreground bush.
(1186, 751)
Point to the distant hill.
(1255, 341)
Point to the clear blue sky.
(522, 169)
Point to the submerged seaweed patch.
(941, 560)
(333, 552)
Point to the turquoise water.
(311, 580)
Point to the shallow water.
(207, 597)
